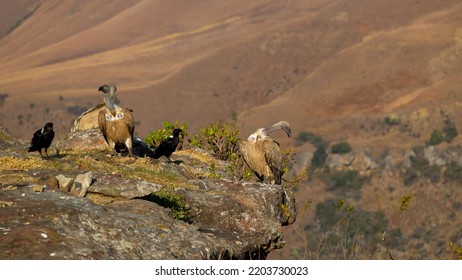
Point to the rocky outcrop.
(83, 204)
(228, 220)
(340, 160)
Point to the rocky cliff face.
(82, 204)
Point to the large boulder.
(94, 206)
(227, 220)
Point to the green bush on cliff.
(154, 138)
(220, 139)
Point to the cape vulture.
(115, 123)
(263, 155)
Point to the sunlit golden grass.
(75, 161)
(9, 178)
(10, 163)
(197, 155)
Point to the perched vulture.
(168, 145)
(263, 155)
(115, 123)
(42, 139)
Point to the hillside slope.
(310, 62)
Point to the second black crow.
(168, 145)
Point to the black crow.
(168, 145)
(42, 139)
(141, 149)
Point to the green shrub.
(288, 159)
(154, 138)
(302, 137)
(409, 176)
(405, 202)
(392, 120)
(450, 131)
(420, 167)
(320, 155)
(319, 158)
(456, 251)
(435, 138)
(172, 201)
(453, 172)
(213, 172)
(220, 139)
(345, 232)
(310, 137)
(341, 148)
(346, 180)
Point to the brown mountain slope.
(199, 62)
(58, 52)
(389, 69)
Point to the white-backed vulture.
(115, 123)
(263, 155)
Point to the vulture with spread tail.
(116, 123)
(263, 155)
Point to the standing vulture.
(115, 123)
(263, 155)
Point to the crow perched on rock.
(115, 123)
(42, 139)
(168, 145)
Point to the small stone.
(49, 180)
(81, 184)
(64, 182)
(37, 188)
(44, 235)
(340, 160)
(4, 203)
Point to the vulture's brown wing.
(273, 158)
(102, 124)
(253, 157)
(128, 117)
